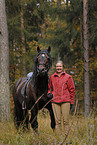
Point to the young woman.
(62, 87)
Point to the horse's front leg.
(50, 109)
(33, 120)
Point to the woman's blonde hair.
(60, 61)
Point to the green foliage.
(60, 27)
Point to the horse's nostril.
(41, 68)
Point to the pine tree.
(86, 59)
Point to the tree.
(86, 59)
(56, 23)
(23, 40)
(4, 66)
(58, 6)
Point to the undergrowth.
(81, 131)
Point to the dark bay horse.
(33, 95)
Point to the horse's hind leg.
(25, 118)
(21, 116)
(18, 114)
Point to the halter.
(43, 60)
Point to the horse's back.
(18, 86)
(19, 81)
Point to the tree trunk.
(4, 66)
(86, 59)
(58, 6)
(23, 41)
(81, 25)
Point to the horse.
(32, 95)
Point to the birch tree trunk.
(4, 66)
(86, 59)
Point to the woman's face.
(59, 67)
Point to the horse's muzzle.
(41, 69)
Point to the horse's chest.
(42, 86)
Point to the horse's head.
(43, 61)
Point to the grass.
(81, 131)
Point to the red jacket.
(62, 88)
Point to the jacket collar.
(55, 74)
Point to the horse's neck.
(42, 83)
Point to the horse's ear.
(38, 49)
(49, 49)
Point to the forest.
(61, 25)
(58, 24)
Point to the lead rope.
(34, 106)
(41, 109)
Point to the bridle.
(43, 62)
